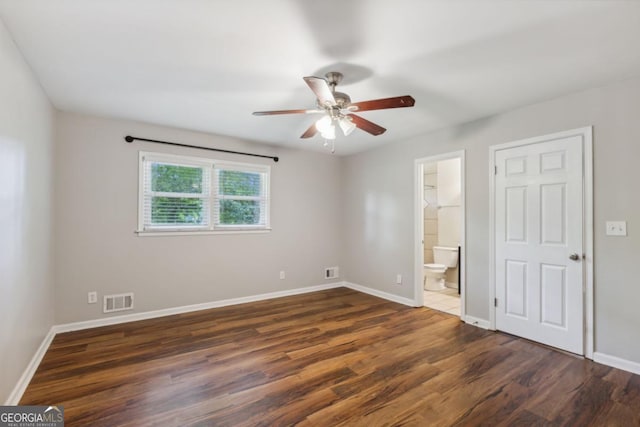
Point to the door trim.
(587, 161)
(419, 227)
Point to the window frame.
(214, 166)
(216, 197)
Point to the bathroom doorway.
(440, 233)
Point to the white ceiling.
(206, 65)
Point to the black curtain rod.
(130, 139)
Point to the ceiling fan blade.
(272, 113)
(310, 132)
(381, 104)
(366, 125)
(321, 88)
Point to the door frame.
(419, 227)
(587, 211)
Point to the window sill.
(157, 233)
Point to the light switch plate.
(616, 228)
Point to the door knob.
(574, 257)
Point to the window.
(189, 194)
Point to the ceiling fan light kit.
(324, 124)
(338, 108)
(346, 125)
(326, 127)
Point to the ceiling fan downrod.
(333, 78)
(342, 99)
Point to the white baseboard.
(23, 382)
(380, 294)
(616, 362)
(115, 320)
(25, 378)
(475, 321)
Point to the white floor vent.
(331, 273)
(118, 302)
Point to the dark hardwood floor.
(332, 358)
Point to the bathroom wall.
(442, 215)
(449, 210)
(430, 211)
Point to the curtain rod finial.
(275, 159)
(128, 138)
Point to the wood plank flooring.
(331, 358)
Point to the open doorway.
(440, 241)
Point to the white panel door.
(539, 233)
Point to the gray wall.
(26, 141)
(379, 211)
(96, 182)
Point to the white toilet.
(443, 257)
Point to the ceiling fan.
(338, 108)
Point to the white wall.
(449, 193)
(430, 212)
(96, 215)
(26, 138)
(378, 195)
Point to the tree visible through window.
(240, 197)
(176, 194)
(180, 180)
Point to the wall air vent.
(118, 302)
(331, 273)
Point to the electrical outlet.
(399, 279)
(92, 297)
(282, 275)
(616, 228)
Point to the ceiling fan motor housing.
(342, 99)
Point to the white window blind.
(241, 197)
(180, 193)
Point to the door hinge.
(495, 302)
(495, 170)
